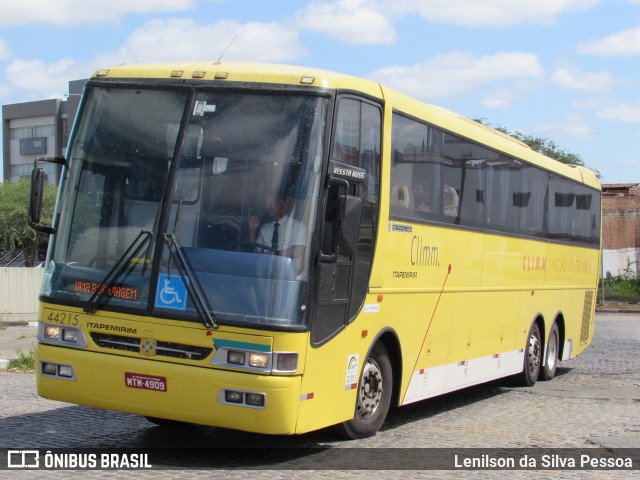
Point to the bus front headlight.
(61, 335)
(258, 360)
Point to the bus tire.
(532, 358)
(373, 396)
(548, 371)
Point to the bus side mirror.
(342, 225)
(350, 224)
(35, 201)
(35, 197)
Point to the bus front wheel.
(532, 358)
(374, 396)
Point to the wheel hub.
(370, 392)
(535, 354)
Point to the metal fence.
(19, 290)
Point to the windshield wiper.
(123, 261)
(192, 286)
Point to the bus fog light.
(258, 360)
(255, 399)
(52, 333)
(65, 371)
(237, 358)
(233, 397)
(287, 362)
(49, 368)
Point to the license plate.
(145, 382)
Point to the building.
(621, 228)
(37, 129)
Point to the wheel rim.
(370, 392)
(535, 355)
(552, 350)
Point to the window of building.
(44, 131)
(21, 132)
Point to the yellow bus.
(280, 249)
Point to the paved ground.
(594, 402)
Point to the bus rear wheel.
(532, 358)
(551, 358)
(374, 396)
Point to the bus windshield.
(229, 179)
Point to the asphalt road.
(593, 405)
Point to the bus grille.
(586, 316)
(166, 349)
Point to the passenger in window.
(284, 235)
(449, 201)
(421, 199)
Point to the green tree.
(541, 145)
(15, 231)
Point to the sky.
(564, 70)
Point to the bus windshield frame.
(212, 169)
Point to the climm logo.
(556, 264)
(424, 255)
(531, 262)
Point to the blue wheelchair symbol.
(171, 292)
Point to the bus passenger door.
(350, 217)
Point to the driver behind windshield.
(284, 235)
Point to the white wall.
(617, 261)
(19, 289)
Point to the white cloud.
(573, 125)
(186, 40)
(458, 72)
(5, 51)
(504, 97)
(350, 21)
(367, 22)
(591, 102)
(37, 79)
(626, 42)
(493, 13)
(159, 41)
(622, 112)
(74, 12)
(573, 78)
(500, 99)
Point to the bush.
(622, 288)
(26, 361)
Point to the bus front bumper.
(171, 391)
